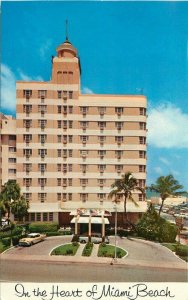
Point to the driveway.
(140, 252)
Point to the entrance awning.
(94, 220)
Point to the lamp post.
(115, 256)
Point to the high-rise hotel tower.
(70, 147)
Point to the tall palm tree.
(10, 193)
(124, 188)
(166, 186)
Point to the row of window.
(83, 153)
(84, 110)
(43, 94)
(32, 217)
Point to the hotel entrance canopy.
(87, 220)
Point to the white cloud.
(86, 90)
(44, 48)
(158, 170)
(167, 127)
(164, 161)
(8, 89)
(8, 86)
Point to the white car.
(95, 238)
(31, 239)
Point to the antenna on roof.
(67, 30)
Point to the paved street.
(146, 261)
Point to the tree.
(11, 198)
(124, 188)
(19, 208)
(166, 186)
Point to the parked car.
(96, 238)
(31, 239)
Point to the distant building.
(70, 147)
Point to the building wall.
(71, 147)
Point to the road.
(62, 272)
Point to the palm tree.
(19, 208)
(10, 193)
(166, 186)
(124, 188)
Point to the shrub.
(182, 250)
(17, 230)
(69, 252)
(43, 227)
(15, 239)
(75, 238)
(87, 249)
(6, 241)
(75, 244)
(5, 234)
(103, 244)
(53, 233)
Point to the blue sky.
(125, 48)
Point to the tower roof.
(66, 46)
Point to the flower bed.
(109, 251)
(68, 249)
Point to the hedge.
(15, 239)
(182, 250)
(6, 241)
(43, 227)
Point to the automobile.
(95, 238)
(31, 239)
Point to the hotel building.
(70, 147)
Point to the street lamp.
(115, 256)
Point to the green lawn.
(2, 247)
(179, 249)
(109, 251)
(68, 249)
(87, 249)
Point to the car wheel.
(83, 242)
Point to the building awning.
(44, 207)
(94, 220)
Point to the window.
(27, 152)
(12, 137)
(27, 138)
(42, 108)
(84, 110)
(118, 154)
(101, 196)
(142, 125)
(64, 197)
(59, 181)
(42, 138)
(142, 111)
(38, 217)
(141, 183)
(84, 138)
(64, 168)
(101, 153)
(59, 137)
(42, 152)
(59, 124)
(27, 196)
(64, 182)
(101, 182)
(64, 153)
(84, 125)
(27, 93)
(27, 167)
(101, 125)
(70, 138)
(51, 216)
(58, 196)
(142, 154)
(119, 110)
(42, 181)
(70, 181)
(45, 216)
(12, 171)
(59, 109)
(64, 139)
(42, 94)
(70, 124)
(70, 94)
(59, 94)
(101, 168)
(42, 197)
(142, 168)
(101, 110)
(101, 139)
(12, 160)
(70, 153)
(118, 168)
(12, 149)
(42, 167)
(32, 217)
(83, 153)
(59, 167)
(119, 139)
(65, 95)
(83, 168)
(142, 140)
(83, 197)
(65, 110)
(70, 197)
(27, 182)
(64, 124)
(27, 123)
(140, 197)
(119, 125)
(70, 167)
(27, 108)
(58, 152)
(83, 182)
(42, 123)
(70, 109)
